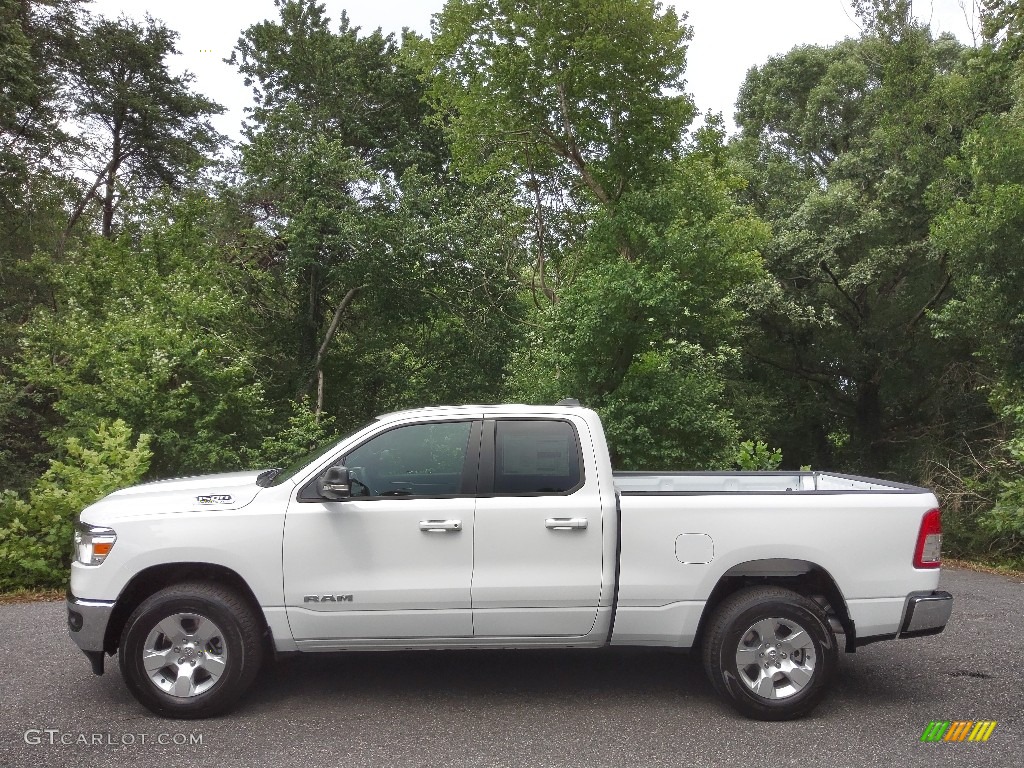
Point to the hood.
(230, 490)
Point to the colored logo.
(958, 730)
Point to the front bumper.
(926, 613)
(87, 623)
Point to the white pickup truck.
(500, 527)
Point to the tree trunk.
(868, 428)
(79, 209)
(310, 322)
(318, 373)
(108, 196)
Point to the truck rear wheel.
(770, 653)
(191, 650)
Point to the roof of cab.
(460, 410)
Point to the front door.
(396, 559)
(539, 540)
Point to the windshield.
(281, 475)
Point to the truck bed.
(704, 483)
(684, 532)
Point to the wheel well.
(803, 577)
(152, 580)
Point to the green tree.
(981, 231)
(308, 80)
(636, 244)
(148, 329)
(842, 145)
(142, 129)
(341, 107)
(371, 242)
(36, 47)
(35, 42)
(580, 101)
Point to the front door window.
(417, 460)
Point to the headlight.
(93, 544)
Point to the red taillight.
(928, 552)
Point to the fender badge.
(216, 498)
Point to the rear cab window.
(536, 457)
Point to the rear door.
(396, 559)
(538, 530)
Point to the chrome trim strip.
(927, 612)
(95, 617)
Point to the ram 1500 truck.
(500, 527)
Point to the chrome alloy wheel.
(775, 658)
(184, 655)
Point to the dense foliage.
(524, 206)
(36, 530)
(636, 244)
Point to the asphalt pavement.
(613, 708)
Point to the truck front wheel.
(191, 650)
(770, 653)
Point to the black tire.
(756, 624)
(237, 641)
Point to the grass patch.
(31, 596)
(971, 565)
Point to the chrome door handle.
(440, 526)
(566, 523)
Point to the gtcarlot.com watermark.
(55, 737)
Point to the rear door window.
(536, 457)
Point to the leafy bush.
(756, 456)
(36, 534)
(982, 493)
(1004, 522)
(151, 334)
(302, 434)
(667, 413)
